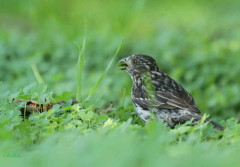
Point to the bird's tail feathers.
(215, 125)
(198, 118)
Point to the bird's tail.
(216, 125)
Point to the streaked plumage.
(154, 91)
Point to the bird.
(154, 92)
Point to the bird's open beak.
(122, 64)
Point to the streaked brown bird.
(155, 92)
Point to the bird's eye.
(134, 61)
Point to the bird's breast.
(143, 113)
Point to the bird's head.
(138, 64)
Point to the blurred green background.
(196, 42)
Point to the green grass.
(96, 85)
(37, 74)
(80, 64)
(196, 43)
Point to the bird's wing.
(169, 94)
(173, 100)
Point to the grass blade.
(93, 90)
(80, 63)
(37, 73)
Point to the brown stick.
(32, 106)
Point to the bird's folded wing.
(170, 100)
